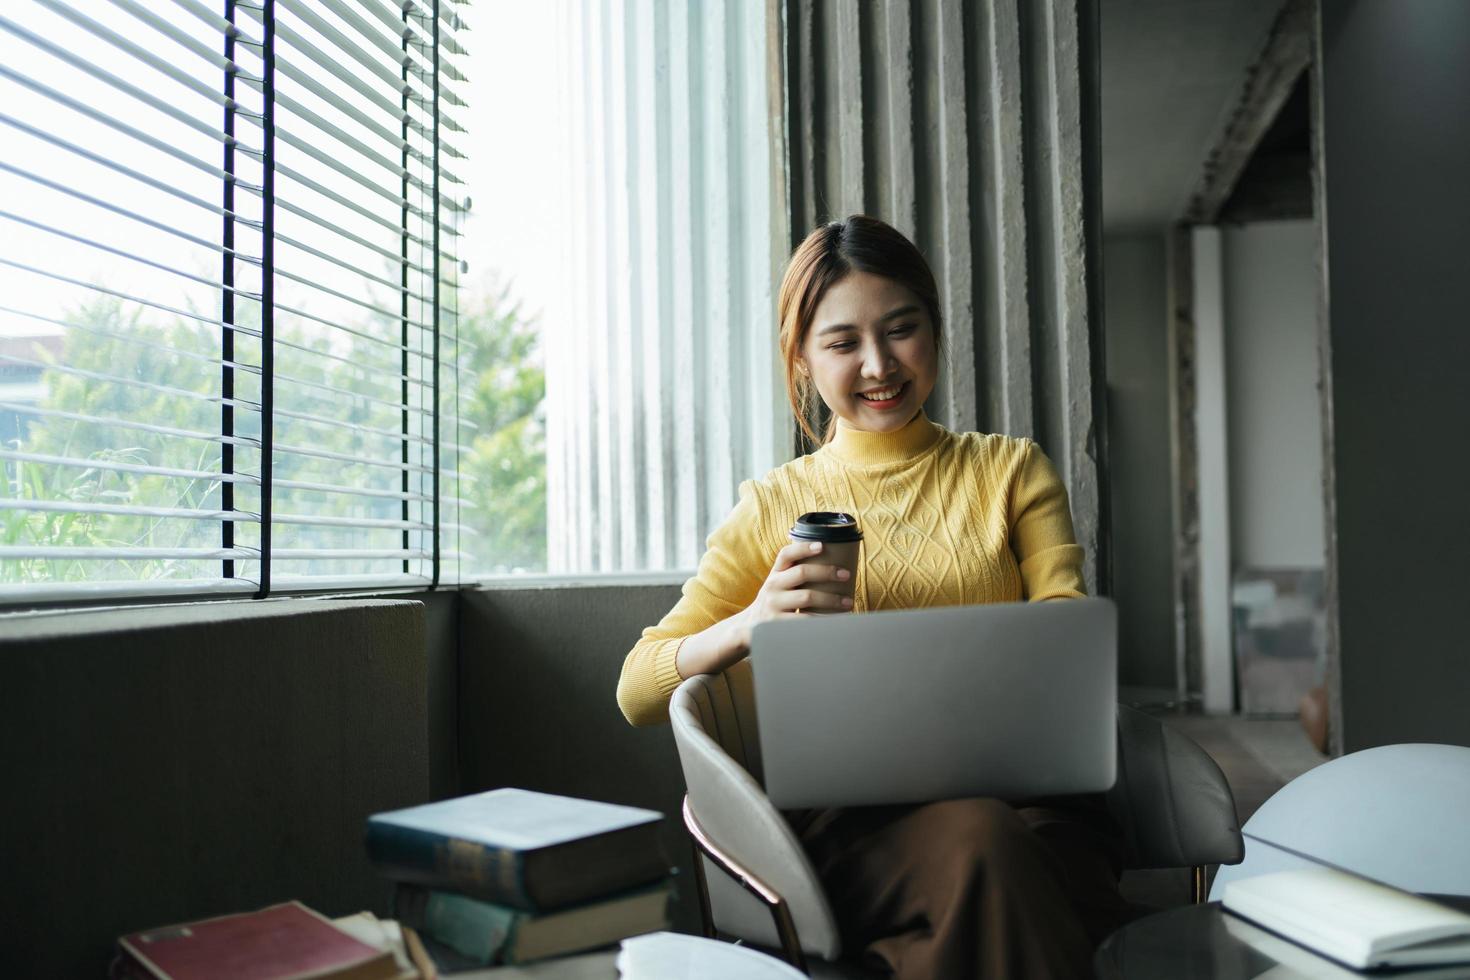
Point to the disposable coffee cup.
(842, 542)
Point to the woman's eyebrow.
(836, 327)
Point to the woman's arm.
(708, 630)
(1041, 531)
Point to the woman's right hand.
(787, 589)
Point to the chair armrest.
(1171, 799)
(738, 821)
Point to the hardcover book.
(282, 942)
(1354, 920)
(530, 851)
(488, 935)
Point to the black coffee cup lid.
(826, 525)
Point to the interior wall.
(1134, 288)
(1275, 411)
(1393, 81)
(538, 708)
(169, 763)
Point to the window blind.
(228, 340)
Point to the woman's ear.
(801, 368)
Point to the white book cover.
(1351, 919)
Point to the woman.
(962, 888)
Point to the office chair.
(754, 878)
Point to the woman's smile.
(887, 398)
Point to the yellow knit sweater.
(948, 518)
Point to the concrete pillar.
(966, 126)
(1394, 205)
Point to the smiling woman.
(963, 888)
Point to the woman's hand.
(785, 592)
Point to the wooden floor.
(1258, 757)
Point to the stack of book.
(512, 876)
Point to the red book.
(282, 942)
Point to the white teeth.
(880, 396)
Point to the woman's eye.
(902, 331)
(843, 345)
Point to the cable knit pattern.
(948, 518)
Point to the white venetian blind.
(227, 240)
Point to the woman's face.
(871, 352)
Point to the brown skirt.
(972, 888)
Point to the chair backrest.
(714, 728)
(1395, 813)
(1171, 799)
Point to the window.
(228, 272)
(294, 294)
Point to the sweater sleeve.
(730, 574)
(1041, 531)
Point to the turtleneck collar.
(861, 448)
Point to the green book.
(489, 935)
(531, 851)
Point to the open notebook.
(1354, 920)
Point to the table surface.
(1204, 942)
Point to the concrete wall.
(163, 764)
(1275, 411)
(538, 678)
(1134, 288)
(1394, 78)
(972, 128)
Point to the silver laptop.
(1013, 700)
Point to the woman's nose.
(878, 362)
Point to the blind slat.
(333, 196)
(133, 132)
(214, 360)
(167, 430)
(119, 84)
(193, 44)
(22, 552)
(322, 223)
(305, 554)
(368, 430)
(312, 520)
(142, 55)
(151, 304)
(206, 14)
(129, 510)
(392, 315)
(114, 165)
(121, 467)
(124, 253)
(348, 491)
(150, 386)
(343, 328)
(344, 264)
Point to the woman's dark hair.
(827, 255)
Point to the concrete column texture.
(968, 127)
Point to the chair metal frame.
(780, 912)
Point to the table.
(1203, 942)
